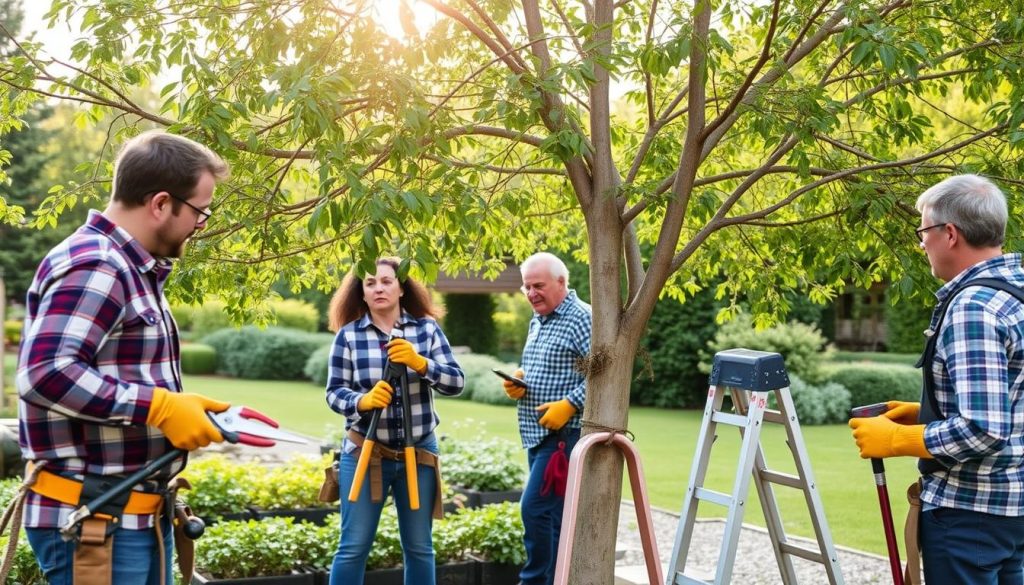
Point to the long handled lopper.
(392, 373)
(878, 467)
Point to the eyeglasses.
(920, 232)
(204, 214)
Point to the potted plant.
(486, 471)
(221, 490)
(250, 553)
(496, 534)
(291, 490)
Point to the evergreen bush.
(512, 322)
(317, 365)
(871, 383)
(481, 383)
(198, 359)
(905, 323)
(469, 321)
(667, 373)
(802, 346)
(296, 314)
(817, 405)
(264, 354)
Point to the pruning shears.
(241, 424)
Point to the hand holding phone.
(517, 381)
(869, 410)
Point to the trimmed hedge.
(296, 314)
(870, 383)
(803, 347)
(264, 354)
(198, 359)
(905, 323)
(481, 383)
(469, 321)
(878, 357)
(817, 405)
(317, 364)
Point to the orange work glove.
(878, 437)
(515, 392)
(182, 418)
(378, 397)
(903, 413)
(402, 352)
(556, 414)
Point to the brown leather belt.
(380, 452)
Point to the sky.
(57, 41)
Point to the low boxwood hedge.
(264, 354)
(198, 359)
(870, 383)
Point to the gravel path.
(755, 563)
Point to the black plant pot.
(243, 516)
(317, 516)
(491, 573)
(477, 499)
(460, 573)
(294, 579)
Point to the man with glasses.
(968, 428)
(99, 376)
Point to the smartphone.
(869, 410)
(517, 381)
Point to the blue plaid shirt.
(357, 364)
(555, 342)
(979, 384)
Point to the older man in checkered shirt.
(550, 405)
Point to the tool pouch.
(184, 547)
(912, 575)
(94, 553)
(329, 490)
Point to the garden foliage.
(264, 354)
(870, 383)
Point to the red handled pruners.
(241, 424)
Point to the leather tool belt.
(380, 452)
(93, 559)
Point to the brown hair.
(156, 161)
(347, 304)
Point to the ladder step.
(682, 579)
(729, 419)
(777, 477)
(706, 495)
(774, 416)
(804, 553)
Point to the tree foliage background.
(762, 146)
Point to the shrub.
(817, 405)
(317, 364)
(182, 316)
(905, 359)
(667, 373)
(905, 323)
(483, 465)
(234, 550)
(802, 346)
(870, 383)
(198, 359)
(296, 314)
(496, 532)
(219, 486)
(315, 545)
(469, 321)
(387, 548)
(292, 485)
(512, 322)
(12, 332)
(209, 317)
(481, 383)
(452, 539)
(263, 354)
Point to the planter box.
(461, 573)
(317, 516)
(491, 573)
(477, 499)
(243, 516)
(296, 579)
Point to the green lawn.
(666, 440)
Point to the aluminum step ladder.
(749, 376)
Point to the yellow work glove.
(903, 413)
(402, 352)
(556, 414)
(878, 437)
(182, 418)
(378, 397)
(514, 391)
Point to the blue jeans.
(136, 558)
(961, 546)
(542, 515)
(359, 520)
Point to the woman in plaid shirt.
(367, 312)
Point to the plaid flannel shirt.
(98, 338)
(979, 385)
(553, 345)
(357, 364)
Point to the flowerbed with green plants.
(483, 471)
